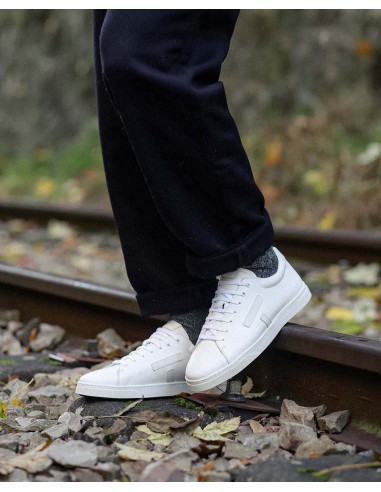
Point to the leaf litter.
(187, 444)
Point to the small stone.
(291, 412)
(314, 448)
(53, 412)
(26, 424)
(14, 326)
(33, 461)
(17, 386)
(223, 464)
(42, 379)
(319, 410)
(72, 420)
(109, 470)
(182, 442)
(14, 411)
(104, 452)
(272, 454)
(10, 345)
(343, 448)
(53, 476)
(110, 344)
(259, 440)
(334, 422)
(157, 472)
(21, 440)
(5, 454)
(60, 476)
(83, 475)
(237, 450)
(18, 475)
(73, 453)
(50, 395)
(36, 414)
(95, 433)
(56, 432)
(48, 337)
(292, 434)
(133, 469)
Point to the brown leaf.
(161, 422)
(205, 449)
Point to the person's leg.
(162, 69)
(155, 262)
(155, 258)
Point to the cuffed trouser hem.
(235, 257)
(179, 299)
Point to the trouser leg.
(162, 68)
(154, 257)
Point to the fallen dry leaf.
(245, 390)
(205, 449)
(256, 426)
(161, 422)
(155, 437)
(216, 430)
(135, 454)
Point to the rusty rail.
(305, 243)
(309, 365)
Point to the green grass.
(183, 402)
(374, 429)
(5, 362)
(51, 362)
(20, 175)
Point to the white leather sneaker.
(246, 314)
(156, 368)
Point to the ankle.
(264, 265)
(192, 321)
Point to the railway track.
(305, 364)
(304, 243)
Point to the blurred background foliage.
(303, 86)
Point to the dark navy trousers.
(182, 191)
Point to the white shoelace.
(224, 297)
(158, 339)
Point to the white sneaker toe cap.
(106, 376)
(204, 362)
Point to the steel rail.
(306, 364)
(301, 242)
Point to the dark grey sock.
(191, 321)
(265, 265)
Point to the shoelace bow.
(159, 338)
(227, 297)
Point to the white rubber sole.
(255, 350)
(143, 391)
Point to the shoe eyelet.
(230, 321)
